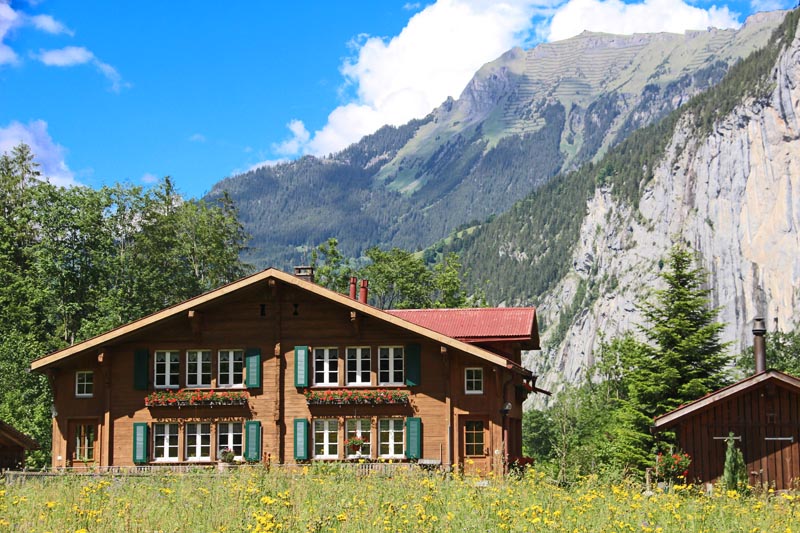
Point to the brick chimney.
(362, 296)
(353, 282)
(306, 273)
(759, 344)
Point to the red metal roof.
(477, 324)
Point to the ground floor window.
(358, 430)
(229, 437)
(165, 442)
(326, 438)
(84, 442)
(198, 442)
(473, 438)
(390, 437)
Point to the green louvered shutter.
(301, 366)
(300, 439)
(413, 365)
(252, 362)
(413, 437)
(141, 368)
(139, 443)
(252, 444)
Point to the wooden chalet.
(276, 368)
(763, 413)
(13, 445)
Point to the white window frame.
(84, 388)
(197, 441)
(326, 435)
(227, 437)
(236, 379)
(393, 358)
(162, 433)
(392, 437)
(85, 442)
(473, 384)
(362, 357)
(172, 360)
(198, 375)
(359, 427)
(328, 366)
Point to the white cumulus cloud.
(615, 16)
(8, 20)
(49, 154)
(70, 56)
(48, 24)
(405, 77)
(149, 178)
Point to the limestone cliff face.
(733, 195)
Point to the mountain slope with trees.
(521, 120)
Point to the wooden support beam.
(196, 320)
(355, 321)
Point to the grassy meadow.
(330, 500)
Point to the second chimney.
(759, 344)
(362, 296)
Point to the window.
(167, 370)
(390, 365)
(165, 442)
(326, 366)
(358, 366)
(473, 380)
(198, 368)
(358, 428)
(231, 368)
(473, 438)
(198, 442)
(229, 437)
(326, 439)
(390, 437)
(84, 384)
(84, 442)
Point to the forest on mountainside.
(518, 256)
(75, 262)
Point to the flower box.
(186, 398)
(356, 397)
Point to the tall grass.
(311, 499)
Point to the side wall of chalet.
(766, 419)
(274, 318)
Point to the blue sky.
(111, 92)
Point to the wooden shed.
(13, 445)
(763, 413)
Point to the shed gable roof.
(118, 334)
(9, 435)
(673, 417)
(478, 324)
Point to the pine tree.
(685, 358)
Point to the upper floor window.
(167, 370)
(326, 366)
(358, 366)
(198, 368)
(390, 365)
(84, 383)
(231, 368)
(473, 380)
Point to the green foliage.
(783, 353)
(685, 359)
(734, 473)
(397, 278)
(75, 262)
(603, 423)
